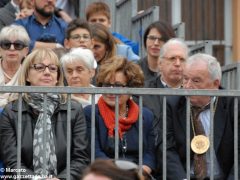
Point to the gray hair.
(213, 65)
(15, 31)
(173, 41)
(79, 55)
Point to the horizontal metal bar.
(105, 90)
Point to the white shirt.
(205, 119)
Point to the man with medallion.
(201, 71)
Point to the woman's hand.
(147, 169)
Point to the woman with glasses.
(44, 124)
(119, 72)
(14, 42)
(156, 34)
(79, 68)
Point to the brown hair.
(101, 33)
(131, 70)
(163, 28)
(77, 24)
(97, 7)
(108, 168)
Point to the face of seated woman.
(78, 74)
(117, 80)
(13, 50)
(43, 73)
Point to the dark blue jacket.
(105, 149)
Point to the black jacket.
(8, 142)
(223, 137)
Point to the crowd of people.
(43, 43)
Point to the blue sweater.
(104, 148)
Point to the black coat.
(148, 74)
(8, 142)
(176, 137)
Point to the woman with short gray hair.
(14, 42)
(79, 68)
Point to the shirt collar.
(166, 86)
(48, 23)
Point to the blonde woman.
(42, 68)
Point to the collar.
(166, 86)
(208, 104)
(47, 24)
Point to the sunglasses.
(42, 67)
(18, 45)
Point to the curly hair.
(132, 71)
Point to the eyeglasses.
(41, 67)
(113, 85)
(18, 45)
(154, 38)
(78, 37)
(174, 59)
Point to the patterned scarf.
(108, 116)
(40, 149)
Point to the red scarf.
(108, 116)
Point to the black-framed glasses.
(154, 38)
(113, 85)
(18, 45)
(77, 37)
(41, 67)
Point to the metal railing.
(136, 91)
(125, 10)
(140, 22)
(230, 76)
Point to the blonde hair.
(37, 56)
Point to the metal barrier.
(230, 76)
(125, 10)
(179, 30)
(205, 47)
(136, 91)
(140, 22)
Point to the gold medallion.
(200, 144)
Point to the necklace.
(6, 75)
(124, 114)
(200, 143)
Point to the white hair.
(213, 65)
(15, 31)
(173, 41)
(79, 55)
